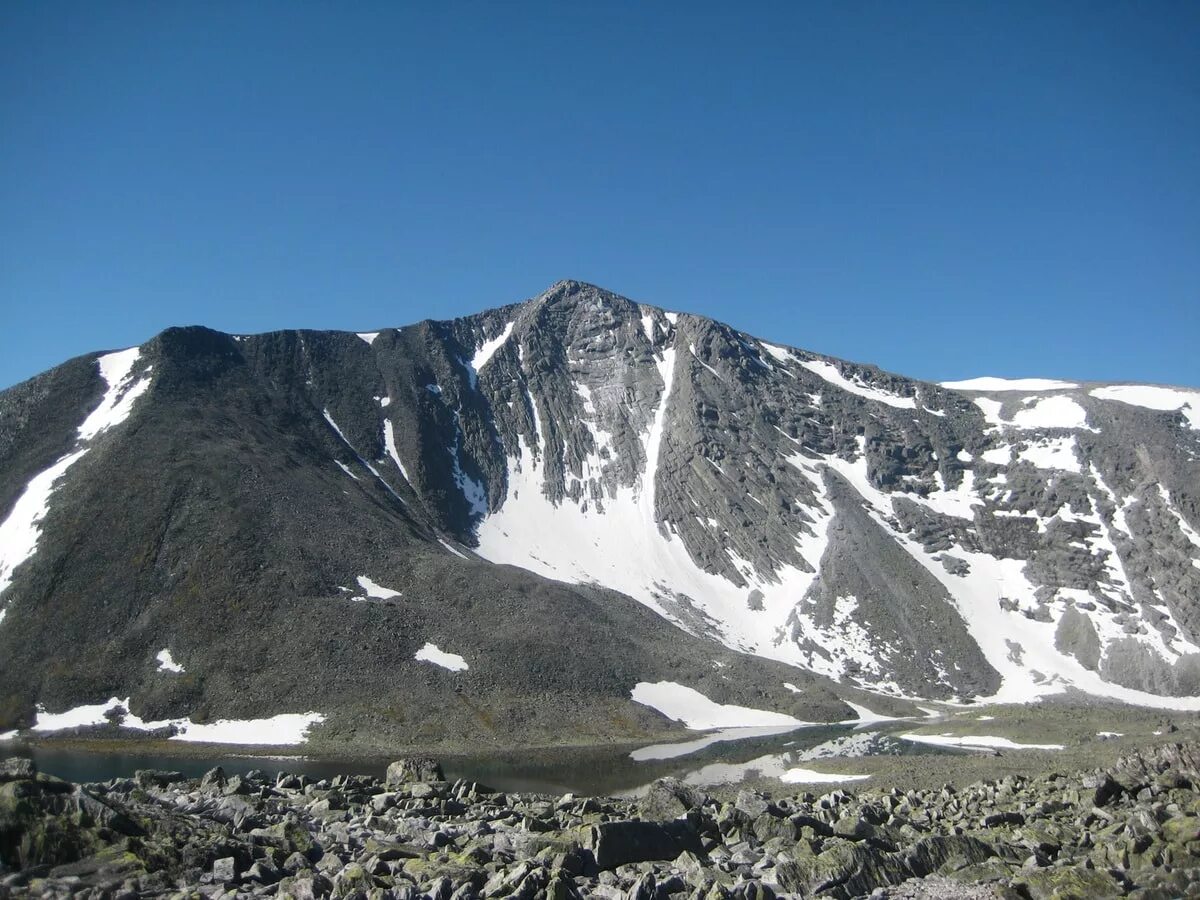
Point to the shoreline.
(1132, 825)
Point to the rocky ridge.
(1129, 830)
(303, 512)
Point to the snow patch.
(990, 383)
(1152, 397)
(1052, 453)
(369, 336)
(432, 654)
(379, 592)
(166, 663)
(1052, 412)
(285, 729)
(699, 713)
(811, 776)
(975, 741)
(991, 411)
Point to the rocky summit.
(494, 529)
(1129, 830)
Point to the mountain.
(572, 496)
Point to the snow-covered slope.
(1000, 539)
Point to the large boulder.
(669, 798)
(414, 769)
(617, 843)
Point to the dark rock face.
(645, 469)
(357, 836)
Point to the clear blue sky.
(943, 189)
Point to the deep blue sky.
(944, 189)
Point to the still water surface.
(587, 770)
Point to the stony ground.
(1130, 829)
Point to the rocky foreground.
(1131, 830)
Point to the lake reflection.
(726, 755)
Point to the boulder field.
(1132, 829)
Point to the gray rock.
(17, 768)
(669, 798)
(156, 778)
(616, 844)
(225, 869)
(414, 769)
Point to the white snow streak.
(648, 326)
(488, 349)
(19, 533)
(369, 336)
(975, 741)
(389, 442)
(811, 776)
(118, 400)
(453, 550)
(21, 529)
(370, 468)
(830, 373)
(166, 663)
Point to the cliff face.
(294, 515)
